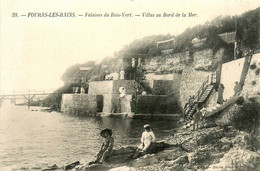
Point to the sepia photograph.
(130, 85)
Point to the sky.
(36, 51)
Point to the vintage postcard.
(130, 85)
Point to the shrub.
(253, 66)
(247, 118)
(253, 83)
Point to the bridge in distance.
(28, 95)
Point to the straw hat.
(102, 133)
(147, 126)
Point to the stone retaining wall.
(157, 104)
(79, 104)
(110, 87)
(114, 104)
(100, 87)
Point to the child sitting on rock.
(107, 146)
(146, 141)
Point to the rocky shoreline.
(209, 149)
(229, 140)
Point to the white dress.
(147, 139)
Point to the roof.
(229, 37)
(166, 41)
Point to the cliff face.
(200, 60)
(195, 68)
(166, 63)
(252, 82)
(206, 60)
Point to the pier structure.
(27, 96)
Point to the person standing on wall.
(82, 90)
(122, 74)
(220, 94)
(237, 89)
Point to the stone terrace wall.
(100, 87)
(152, 76)
(163, 87)
(128, 84)
(111, 103)
(191, 82)
(157, 104)
(252, 83)
(110, 87)
(79, 104)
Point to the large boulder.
(237, 159)
(228, 115)
(179, 161)
(245, 140)
(124, 156)
(123, 168)
(145, 160)
(171, 154)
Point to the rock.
(122, 155)
(96, 167)
(179, 161)
(71, 165)
(237, 159)
(52, 167)
(243, 140)
(197, 157)
(145, 160)
(125, 154)
(123, 168)
(209, 135)
(36, 168)
(170, 154)
(25, 168)
(227, 115)
(176, 167)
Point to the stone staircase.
(189, 119)
(200, 98)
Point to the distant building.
(197, 42)
(167, 51)
(228, 37)
(83, 71)
(166, 46)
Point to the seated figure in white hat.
(147, 138)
